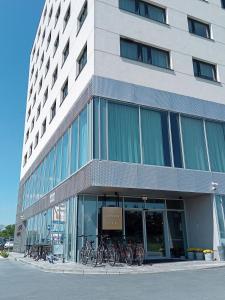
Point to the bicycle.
(106, 251)
(138, 253)
(87, 252)
(124, 252)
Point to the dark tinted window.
(204, 70)
(175, 136)
(199, 28)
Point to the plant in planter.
(4, 254)
(208, 254)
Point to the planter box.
(199, 256)
(209, 256)
(190, 255)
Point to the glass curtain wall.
(194, 144)
(68, 155)
(216, 145)
(220, 206)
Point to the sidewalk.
(74, 268)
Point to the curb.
(124, 272)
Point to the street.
(23, 282)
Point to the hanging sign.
(112, 218)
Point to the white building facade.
(125, 107)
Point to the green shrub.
(4, 254)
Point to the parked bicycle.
(138, 252)
(106, 252)
(124, 252)
(87, 252)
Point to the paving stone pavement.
(75, 268)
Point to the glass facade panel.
(155, 141)
(220, 205)
(65, 156)
(175, 137)
(124, 141)
(74, 147)
(194, 144)
(216, 145)
(83, 139)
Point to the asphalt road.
(23, 282)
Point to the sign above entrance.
(112, 218)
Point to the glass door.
(176, 226)
(134, 225)
(155, 237)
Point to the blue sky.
(18, 23)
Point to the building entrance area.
(159, 225)
(162, 233)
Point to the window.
(31, 91)
(43, 127)
(53, 111)
(66, 18)
(43, 36)
(83, 15)
(28, 113)
(56, 44)
(25, 160)
(36, 140)
(27, 136)
(199, 28)
(204, 70)
(49, 39)
(47, 67)
(32, 72)
(38, 111)
(144, 9)
(223, 3)
(123, 135)
(65, 52)
(195, 155)
(64, 90)
(32, 125)
(40, 85)
(145, 54)
(34, 100)
(30, 150)
(82, 60)
(37, 55)
(36, 76)
(45, 96)
(57, 14)
(54, 76)
(155, 138)
(216, 145)
(42, 59)
(50, 14)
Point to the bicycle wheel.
(140, 254)
(100, 256)
(129, 256)
(93, 258)
(83, 256)
(111, 256)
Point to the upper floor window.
(38, 111)
(42, 59)
(28, 113)
(54, 76)
(47, 67)
(25, 159)
(145, 54)
(144, 9)
(44, 125)
(56, 44)
(43, 36)
(82, 15)
(50, 14)
(223, 3)
(57, 14)
(36, 76)
(199, 28)
(66, 18)
(66, 52)
(27, 136)
(40, 85)
(64, 90)
(45, 96)
(82, 60)
(32, 124)
(53, 111)
(49, 39)
(30, 150)
(36, 140)
(34, 99)
(204, 70)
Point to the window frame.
(192, 29)
(198, 62)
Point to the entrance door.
(134, 225)
(155, 239)
(176, 226)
